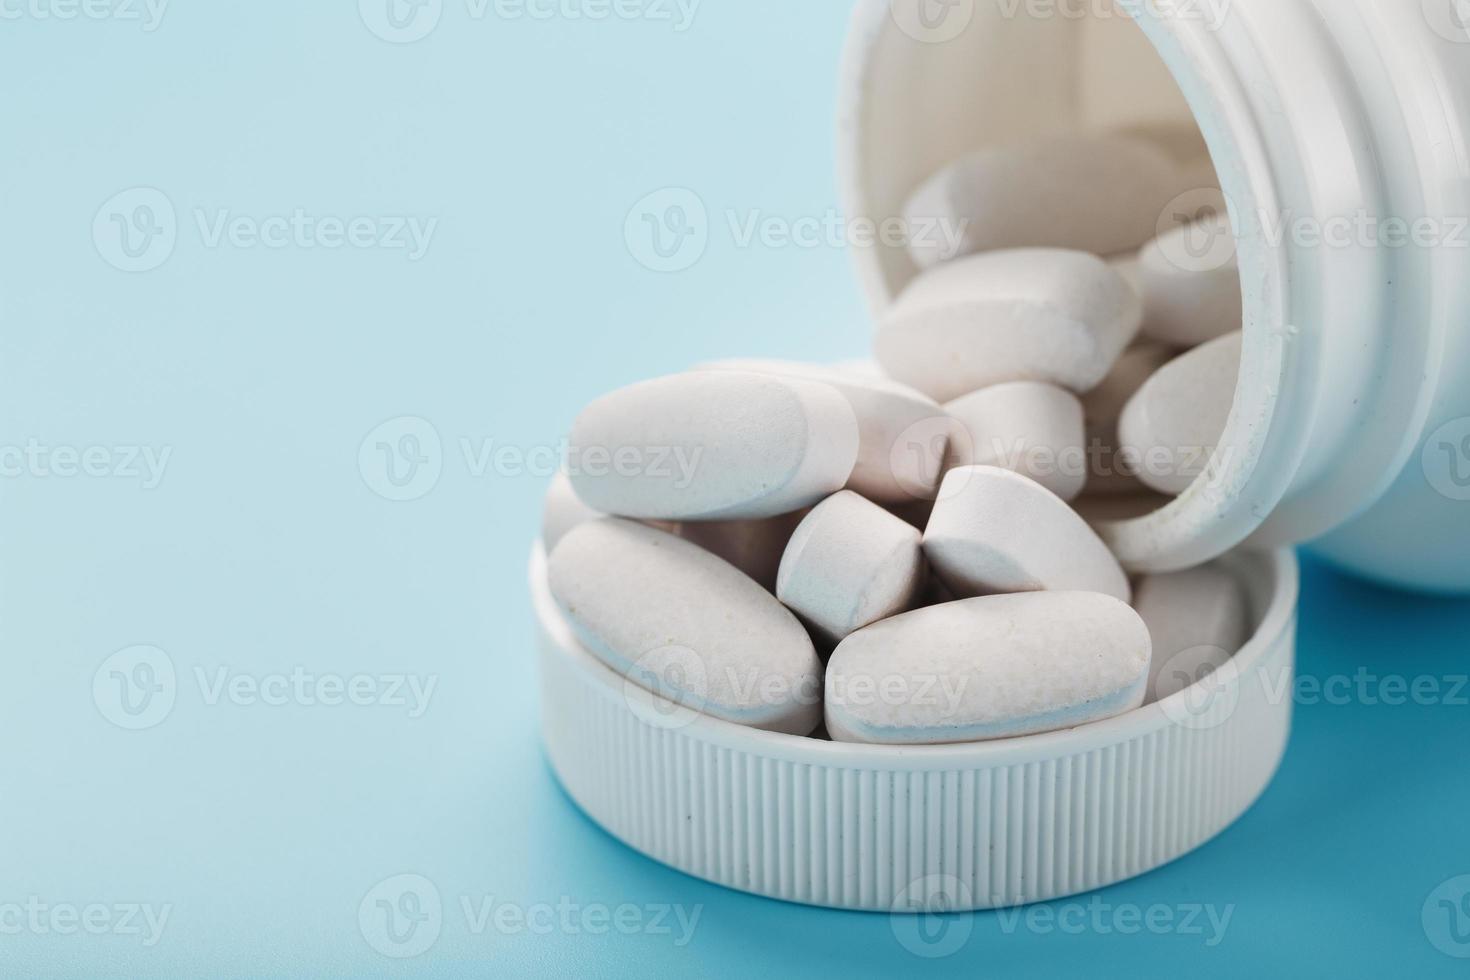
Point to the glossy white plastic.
(1323, 117)
(983, 825)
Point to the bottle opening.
(937, 84)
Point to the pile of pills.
(889, 552)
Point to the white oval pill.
(1190, 282)
(1197, 620)
(562, 511)
(986, 668)
(754, 547)
(1021, 315)
(680, 622)
(1109, 470)
(1029, 427)
(902, 433)
(850, 563)
(713, 445)
(1098, 194)
(996, 531)
(1174, 422)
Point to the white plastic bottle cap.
(1351, 416)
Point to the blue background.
(265, 546)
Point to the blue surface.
(266, 546)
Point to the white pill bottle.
(1340, 133)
